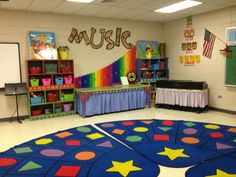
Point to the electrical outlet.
(219, 96)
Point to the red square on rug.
(217, 135)
(161, 137)
(72, 142)
(70, 171)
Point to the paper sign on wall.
(189, 46)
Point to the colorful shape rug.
(133, 149)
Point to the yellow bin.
(64, 55)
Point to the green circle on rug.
(140, 129)
(83, 129)
(212, 127)
(134, 138)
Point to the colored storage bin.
(162, 65)
(46, 81)
(58, 110)
(146, 75)
(67, 107)
(59, 80)
(143, 65)
(51, 97)
(36, 100)
(35, 70)
(69, 97)
(68, 79)
(66, 70)
(51, 67)
(34, 82)
(36, 112)
(155, 66)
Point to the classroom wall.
(15, 25)
(210, 70)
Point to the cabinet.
(151, 70)
(50, 88)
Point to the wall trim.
(222, 110)
(7, 119)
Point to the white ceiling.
(120, 9)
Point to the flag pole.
(217, 37)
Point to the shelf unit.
(151, 70)
(50, 88)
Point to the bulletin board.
(10, 71)
(231, 68)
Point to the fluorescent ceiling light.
(82, 1)
(178, 6)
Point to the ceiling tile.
(132, 3)
(108, 2)
(91, 9)
(143, 17)
(16, 4)
(68, 7)
(119, 9)
(111, 12)
(132, 13)
(44, 5)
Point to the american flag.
(209, 40)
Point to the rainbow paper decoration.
(109, 75)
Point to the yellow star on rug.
(124, 168)
(220, 173)
(173, 153)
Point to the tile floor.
(12, 134)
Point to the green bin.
(51, 68)
(34, 82)
(69, 97)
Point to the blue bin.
(154, 66)
(59, 80)
(58, 110)
(36, 100)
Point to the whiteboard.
(10, 71)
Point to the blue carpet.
(86, 152)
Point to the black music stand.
(15, 89)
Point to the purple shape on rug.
(107, 125)
(189, 131)
(105, 144)
(52, 152)
(223, 146)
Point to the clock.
(131, 77)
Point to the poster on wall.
(231, 36)
(147, 50)
(42, 45)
